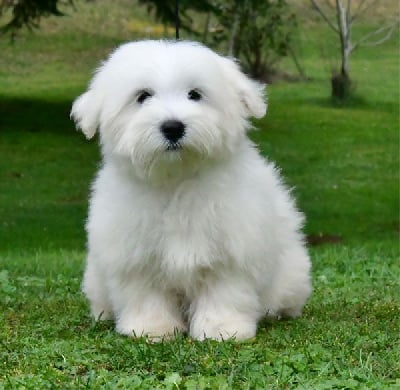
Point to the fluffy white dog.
(189, 228)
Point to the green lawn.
(343, 164)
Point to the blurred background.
(332, 126)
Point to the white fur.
(205, 238)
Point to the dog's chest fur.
(172, 230)
(190, 227)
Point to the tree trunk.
(341, 86)
(232, 50)
(341, 83)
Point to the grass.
(346, 338)
(342, 162)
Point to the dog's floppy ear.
(251, 93)
(86, 113)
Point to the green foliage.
(165, 11)
(29, 12)
(258, 32)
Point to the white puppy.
(189, 228)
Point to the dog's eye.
(142, 96)
(194, 94)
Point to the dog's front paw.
(155, 329)
(223, 329)
(101, 312)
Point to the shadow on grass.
(355, 102)
(45, 171)
(47, 226)
(35, 114)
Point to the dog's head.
(160, 102)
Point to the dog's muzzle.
(173, 131)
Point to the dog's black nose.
(173, 130)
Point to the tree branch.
(348, 13)
(233, 32)
(360, 10)
(325, 17)
(391, 28)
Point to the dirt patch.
(323, 238)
